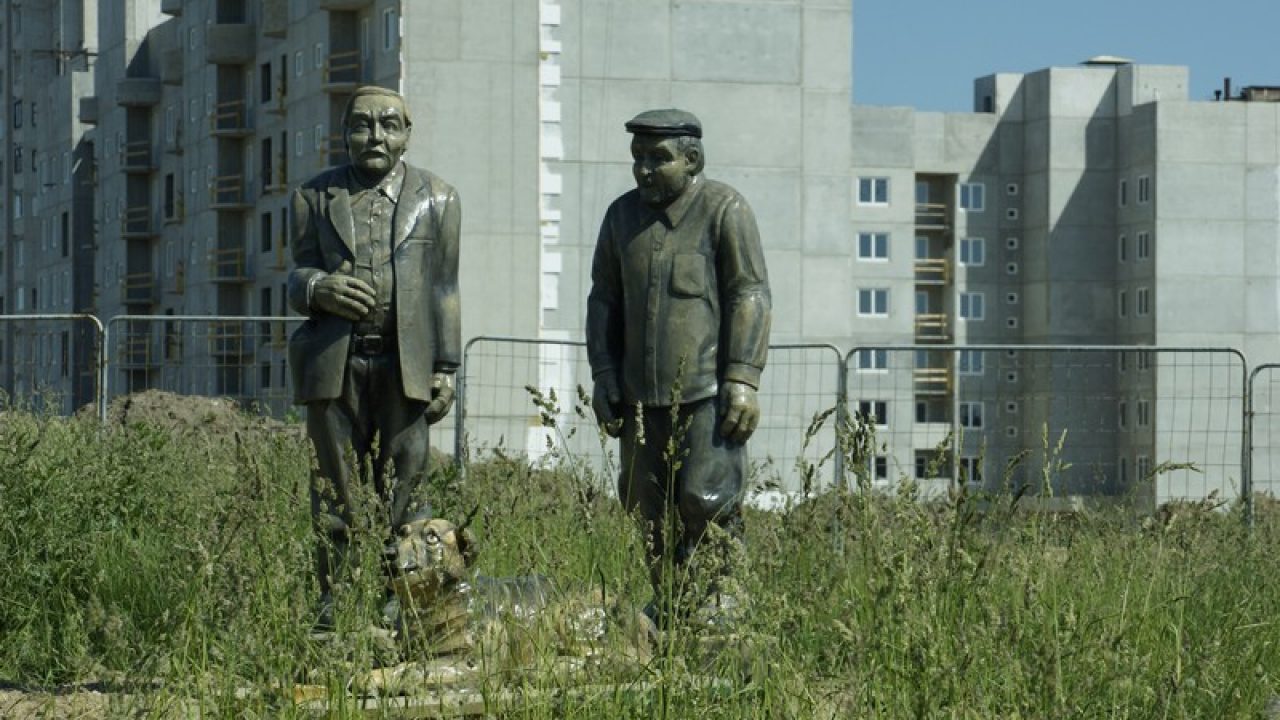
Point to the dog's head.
(431, 552)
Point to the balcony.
(137, 222)
(138, 288)
(138, 352)
(342, 72)
(171, 7)
(227, 193)
(275, 18)
(171, 67)
(932, 271)
(344, 5)
(227, 265)
(138, 92)
(932, 381)
(227, 338)
(932, 327)
(88, 111)
(229, 44)
(933, 216)
(230, 119)
(137, 157)
(179, 279)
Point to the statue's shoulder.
(415, 176)
(719, 193)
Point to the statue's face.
(377, 133)
(661, 170)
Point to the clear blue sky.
(926, 53)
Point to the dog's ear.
(466, 546)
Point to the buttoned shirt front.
(680, 296)
(372, 211)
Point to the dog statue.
(447, 609)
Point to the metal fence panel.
(51, 363)
(1264, 430)
(502, 376)
(1126, 412)
(239, 357)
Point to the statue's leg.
(643, 486)
(709, 492)
(404, 441)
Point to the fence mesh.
(1264, 394)
(1153, 424)
(505, 378)
(50, 363)
(242, 358)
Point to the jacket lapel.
(411, 204)
(340, 215)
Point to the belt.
(372, 344)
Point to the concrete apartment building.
(1091, 205)
(1072, 205)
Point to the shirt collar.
(679, 207)
(389, 186)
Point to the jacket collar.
(405, 184)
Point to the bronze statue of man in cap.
(375, 250)
(677, 332)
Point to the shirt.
(372, 212)
(679, 298)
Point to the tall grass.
(176, 568)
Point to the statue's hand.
(606, 401)
(741, 411)
(441, 397)
(344, 296)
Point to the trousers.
(371, 410)
(685, 465)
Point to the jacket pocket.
(689, 275)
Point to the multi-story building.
(46, 263)
(1092, 205)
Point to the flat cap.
(671, 122)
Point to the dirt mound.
(189, 413)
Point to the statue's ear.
(694, 155)
(466, 546)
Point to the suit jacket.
(426, 225)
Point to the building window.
(973, 251)
(971, 414)
(1011, 298)
(1144, 245)
(1144, 189)
(1011, 189)
(873, 302)
(1011, 322)
(318, 132)
(390, 29)
(1124, 470)
(1122, 415)
(1142, 467)
(364, 38)
(1122, 303)
(874, 410)
(1011, 268)
(879, 469)
(264, 81)
(1144, 360)
(1143, 411)
(297, 143)
(17, 114)
(972, 306)
(1011, 407)
(297, 64)
(971, 362)
(922, 247)
(973, 197)
(317, 55)
(1122, 248)
(1011, 243)
(1143, 301)
(873, 360)
(873, 191)
(264, 230)
(971, 470)
(1011, 213)
(873, 246)
(1123, 192)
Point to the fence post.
(842, 411)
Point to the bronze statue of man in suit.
(375, 249)
(677, 333)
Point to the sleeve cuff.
(311, 288)
(446, 368)
(743, 373)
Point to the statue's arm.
(744, 291)
(604, 306)
(304, 241)
(446, 304)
